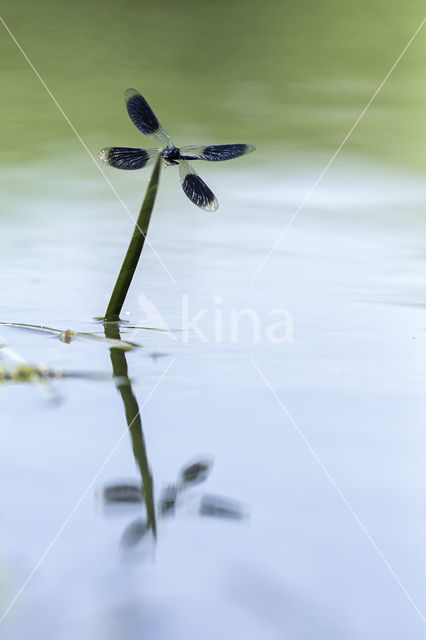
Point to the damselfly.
(146, 121)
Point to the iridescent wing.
(216, 152)
(145, 119)
(128, 158)
(195, 189)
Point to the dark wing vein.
(215, 153)
(144, 118)
(128, 158)
(195, 189)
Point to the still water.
(305, 515)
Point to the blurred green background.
(285, 75)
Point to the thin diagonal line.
(333, 157)
(337, 488)
(83, 495)
(84, 145)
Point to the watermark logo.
(217, 322)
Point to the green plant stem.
(134, 251)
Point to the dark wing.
(216, 152)
(144, 118)
(127, 158)
(196, 190)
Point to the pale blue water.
(349, 272)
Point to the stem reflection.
(134, 422)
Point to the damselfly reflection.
(146, 121)
(173, 497)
